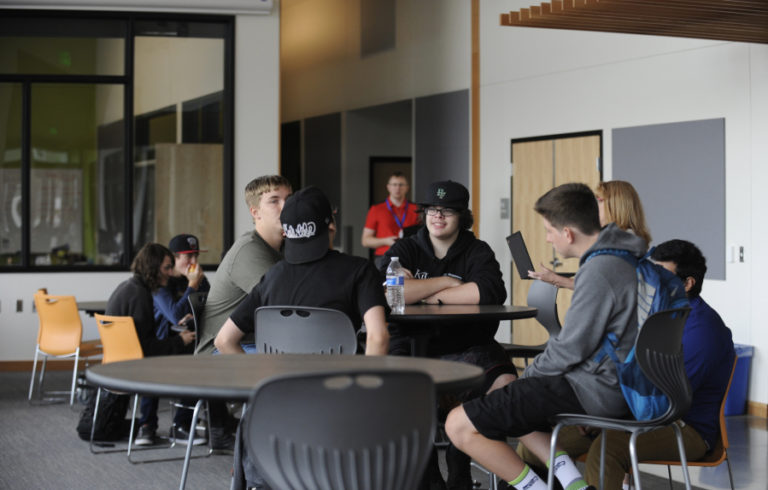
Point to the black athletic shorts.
(523, 406)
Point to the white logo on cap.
(192, 242)
(302, 230)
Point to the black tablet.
(520, 254)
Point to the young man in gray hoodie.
(564, 378)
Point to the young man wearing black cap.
(248, 258)
(313, 274)
(446, 263)
(171, 303)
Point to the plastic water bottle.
(395, 286)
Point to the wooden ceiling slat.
(732, 20)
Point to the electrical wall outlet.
(19, 305)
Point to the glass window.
(75, 162)
(179, 82)
(48, 46)
(96, 161)
(10, 173)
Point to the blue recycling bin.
(736, 403)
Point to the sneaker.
(145, 436)
(180, 435)
(222, 441)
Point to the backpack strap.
(618, 252)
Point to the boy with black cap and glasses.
(446, 264)
(313, 274)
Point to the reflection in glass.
(178, 147)
(76, 191)
(10, 174)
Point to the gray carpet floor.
(40, 449)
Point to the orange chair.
(719, 453)
(120, 343)
(60, 335)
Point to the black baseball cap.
(448, 194)
(305, 218)
(185, 244)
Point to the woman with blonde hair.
(617, 202)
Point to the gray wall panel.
(441, 136)
(322, 157)
(679, 171)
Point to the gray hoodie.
(604, 300)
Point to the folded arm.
(228, 339)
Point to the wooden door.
(539, 166)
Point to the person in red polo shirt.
(386, 221)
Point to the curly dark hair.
(147, 264)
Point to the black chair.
(542, 296)
(337, 430)
(659, 353)
(303, 330)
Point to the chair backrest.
(197, 305)
(543, 296)
(343, 430)
(303, 330)
(659, 352)
(60, 329)
(118, 338)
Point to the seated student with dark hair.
(564, 378)
(708, 354)
(445, 263)
(152, 268)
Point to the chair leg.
(93, 421)
(669, 473)
(633, 458)
(74, 377)
(34, 370)
(188, 454)
(730, 474)
(683, 460)
(602, 459)
(552, 450)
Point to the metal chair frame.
(720, 451)
(659, 352)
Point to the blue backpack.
(657, 289)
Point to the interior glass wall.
(75, 193)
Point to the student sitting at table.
(152, 268)
(312, 274)
(445, 264)
(565, 378)
(171, 301)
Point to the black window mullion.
(128, 251)
(26, 172)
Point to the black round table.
(233, 377)
(425, 320)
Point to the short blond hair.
(622, 206)
(260, 185)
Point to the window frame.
(127, 81)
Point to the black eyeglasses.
(444, 212)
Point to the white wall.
(322, 71)
(256, 153)
(543, 82)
